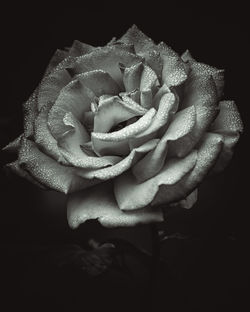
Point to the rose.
(125, 129)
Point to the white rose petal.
(132, 195)
(99, 203)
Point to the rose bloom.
(125, 129)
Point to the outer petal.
(15, 167)
(122, 46)
(174, 71)
(208, 152)
(14, 146)
(228, 118)
(206, 70)
(132, 195)
(48, 171)
(186, 56)
(99, 203)
(43, 136)
(228, 123)
(187, 202)
(30, 111)
(145, 47)
(200, 91)
(141, 42)
(51, 86)
(199, 69)
(230, 139)
(106, 59)
(79, 48)
(56, 59)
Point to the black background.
(207, 272)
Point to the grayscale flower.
(126, 128)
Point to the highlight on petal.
(132, 195)
(49, 172)
(208, 151)
(99, 203)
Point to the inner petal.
(99, 81)
(106, 59)
(74, 98)
(117, 141)
(112, 111)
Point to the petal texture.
(229, 124)
(132, 195)
(99, 203)
(49, 172)
(208, 152)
